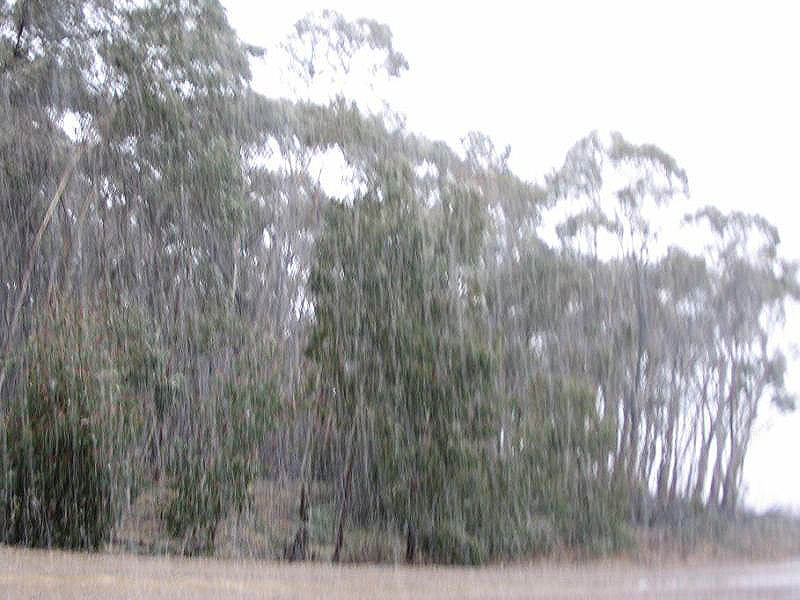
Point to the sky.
(714, 84)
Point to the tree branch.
(26, 280)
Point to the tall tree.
(397, 346)
(749, 287)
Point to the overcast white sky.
(715, 84)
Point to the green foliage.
(58, 493)
(449, 544)
(568, 450)
(69, 437)
(205, 488)
(498, 395)
(214, 461)
(393, 341)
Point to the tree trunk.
(299, 548)
(26, 279)
(411, 539)
(345, 496)
(716, 476)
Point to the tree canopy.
(188, 309)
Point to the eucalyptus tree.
(187, 301)
(397, 344)
(749, 287)
(118, 203)
(682, 283)
(618, 187)
(45, 51)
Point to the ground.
(43, 574)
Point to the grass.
(41, 574)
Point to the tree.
(398, 351)
(749, 287)
(617, 222)
(188, 304)
(116, 199)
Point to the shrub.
(66, 433)
(206, 486)
(59, 493)
(450, 544)
(566, 461)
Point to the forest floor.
(752, 557)
(56, 574)
(264, 530)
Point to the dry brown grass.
(704, 559)
(43, 574)
(708, 539)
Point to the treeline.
(186, 308)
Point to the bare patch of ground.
(38, 574)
